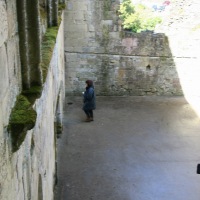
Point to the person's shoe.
(91, 119)
(87, 119)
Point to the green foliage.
(137, 18)
(126, 8)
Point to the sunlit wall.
(182, 27)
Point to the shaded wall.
(28, 172)
(120, 63)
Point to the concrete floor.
(138, 148)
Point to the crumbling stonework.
(29, 172)
(120, 63)
(10, 87)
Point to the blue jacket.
(89, 99)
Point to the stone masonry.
(182, 27)
(123, 63)
(165, 62)
(29, 172)
(120, 63)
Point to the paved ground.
(138, 148)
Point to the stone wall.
(182, 27)
(120, 63)
(29, 171)
(10, 76)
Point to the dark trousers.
(89, 113)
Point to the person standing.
(89, 101)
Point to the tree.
(138, 17)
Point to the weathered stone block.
(91, 28)
(3, 22)
(78, 6)
(69, 16)
(4, 78)
(78, 28)
(12, 18)
(143, 61)
(19, 174)
(106, 23)
(79, 15)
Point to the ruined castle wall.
(10, 78)
(10, 81)
(119, 62)
(122, 63)
(29, 172)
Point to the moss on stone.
(47, 47)
(163, 58)
(33, 33)
(105, 75)
(33, 90)
(105, 37)
(61, 6)
(48, 43)
(23, 112)
(59, 128)
(22, 119)
(106, 8)
(122, 34)
(43, 13)
(33, 93)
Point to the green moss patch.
(47, 48)
(105, 37)
(22, 119)
(43, 13)
(23, 112)
(33, 93)
(61, 6)
(106, 8)
(33, 90)
(48, 43)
